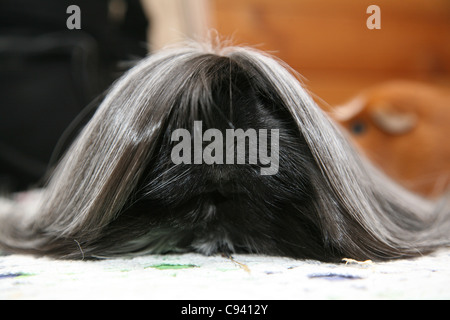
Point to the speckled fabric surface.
(193, 276)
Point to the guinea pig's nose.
(224, 188)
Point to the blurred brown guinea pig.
(404, 128)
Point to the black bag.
(50, 74)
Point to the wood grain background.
(328, 42)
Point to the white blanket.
(192, 276)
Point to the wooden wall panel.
(327, 41)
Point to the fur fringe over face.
(117, 191)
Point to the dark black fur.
(232, 207)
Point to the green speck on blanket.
(167, 266)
